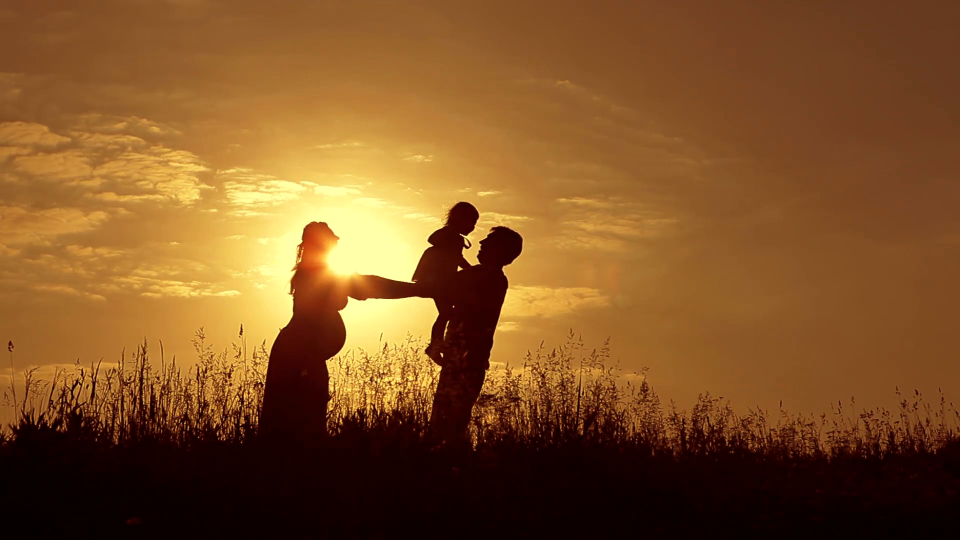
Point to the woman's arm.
(363, 287)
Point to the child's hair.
(462, 211)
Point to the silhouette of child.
(440, 262)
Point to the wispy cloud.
(253, 193)
(69, 291)
(508, 326)
(538, 301)
(491, 219)
(154, 287)
(608, 223)
(106, 123)
(20, 225)
(372, 202)
(28, 134)
(113, 167)
(336, 191)
(250, 192)
(55, 167)
(422, 216)
(170, 173)
(340, 145)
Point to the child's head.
(462, 218)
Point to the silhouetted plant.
(556, 397)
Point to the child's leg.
(440, 325)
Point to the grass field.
(566, 444)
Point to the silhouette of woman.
(296, 391)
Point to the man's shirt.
(477, 294)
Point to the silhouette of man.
(477, 294)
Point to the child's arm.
(462, 263)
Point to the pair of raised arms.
(363, 287)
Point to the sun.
(368, 245)
(372, 242)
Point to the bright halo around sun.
(367, 245)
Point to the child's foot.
(433, 351)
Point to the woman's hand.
(364, 287)
(357, 287)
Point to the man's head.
(501, 247)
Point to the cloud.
(69, 291)
(113, 124)
(108, 141)
(157, 170)
(508, 326)
(155, 287)
(252, 193)
(6, 152)
(20, 225)
(340, 145)
(335, 191)
(587, 202)
(623, 227)
(57, 167)
(488, 193)
(93, 252)
(29, 135)
(372, 202)
(608, 224)
(421, 216)
(495, 218)
(536, 301)
(564, 89)
(113, 167)
(419, 158)
(109, 196)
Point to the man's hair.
(512, 243)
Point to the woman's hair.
(462, 211)
(317, 240)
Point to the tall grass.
(554, 397)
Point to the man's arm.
(465, 288)
(363, 287)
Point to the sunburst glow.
(369, 246)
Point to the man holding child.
(477, 294)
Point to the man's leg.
(457, 392)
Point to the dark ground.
(356, 489)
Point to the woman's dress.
(296, 392)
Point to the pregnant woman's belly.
(316, 337)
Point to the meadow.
(565, 443)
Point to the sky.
(749, 198)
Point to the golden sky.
(750, 198)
